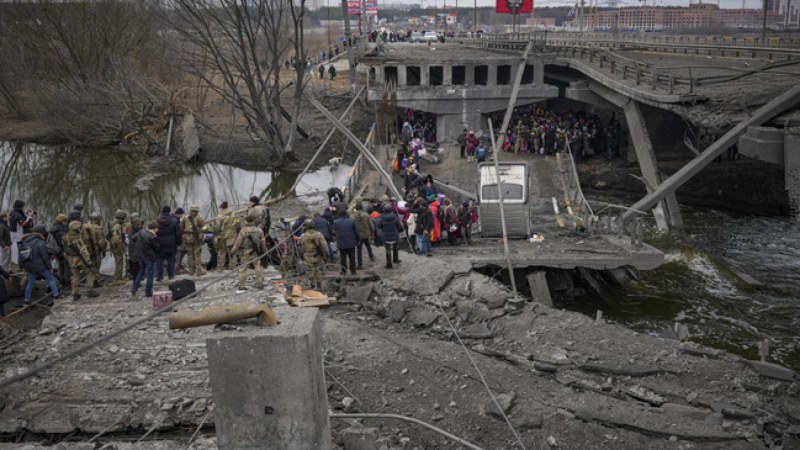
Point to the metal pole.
(350, 55)
(475, 19)
(764, 26)
(502, 210)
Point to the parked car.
(416, 36)
(430, 36)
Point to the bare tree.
(237, 47)
(93, 70)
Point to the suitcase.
(181, 289)
(161, 299)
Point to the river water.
(51, 180)
(697, 286)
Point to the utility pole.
(348, 35)
(475, 19)
(764, 26)
(788, 13)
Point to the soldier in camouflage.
(253, 244)
(118, 244)
(225, 232)
(193, 239)
(80, 260)
(95, 239)
(315, 252)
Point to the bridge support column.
(469, 79)
(401, 75)
(667, 213)
(791, 154)
(450, 126)
(538, 73)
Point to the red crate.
(161, 299)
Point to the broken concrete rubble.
(573, 378)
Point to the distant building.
(542, 22)
(698, 15)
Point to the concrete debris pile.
(149, 378)
(554, 373)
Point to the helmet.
(75, 225)
(120, 214)
(41, 229)
(194, 208)
(78, 206)
(95, 216)
(308, 224)
(387, 208)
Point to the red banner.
(508, 6)
(354, 7)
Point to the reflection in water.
(51, 180)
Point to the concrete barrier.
(268, 385)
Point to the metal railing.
(354, 177)
(604, 221)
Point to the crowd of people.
(533, 129)
(69, 253)
(424, 218)
(417, 124)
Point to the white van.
(514, 181)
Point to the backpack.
(440, 214)
(52, 245)
(25, 252)
(251, 241)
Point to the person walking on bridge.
(80, 260)
(253, 243)
(37, 263)
(193, 239)
(118, 244)
(347, 238)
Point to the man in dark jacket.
(346, 240)
(388, 224)
(38, 265)
(58, 231)
(5, 240)
(322, 225)
(147, 250)
(424, 226)
(169, 238)
(76, 213)
(3, 290)
(20, 223)
(133, 234)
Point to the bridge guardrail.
(354, 177)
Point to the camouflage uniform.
(253, 243)
(315, 252)
(95, 240)
(192, 239)
(80, 259)
(225, 230)
(118, 245)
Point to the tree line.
(113, 72)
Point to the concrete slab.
(268, 384)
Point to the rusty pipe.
(188, 318)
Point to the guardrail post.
(624, 72)
(613, 64)
(654, 79)
(691, 81)
(638, 76)
(601, 61)
(671, 84)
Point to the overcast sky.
(751, 4)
